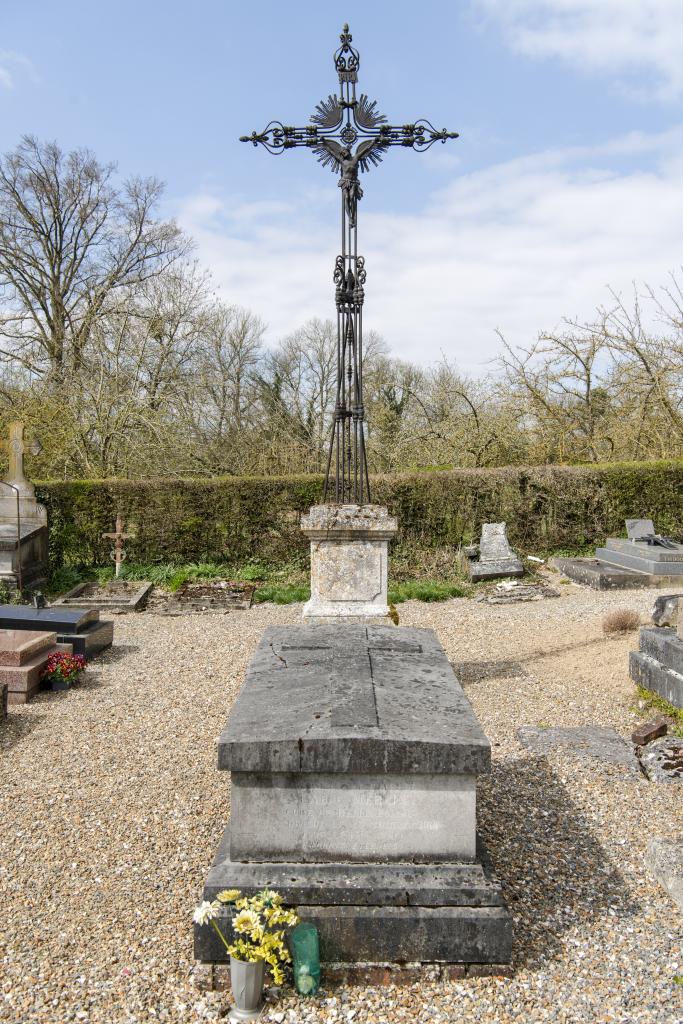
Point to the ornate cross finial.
(337, 124)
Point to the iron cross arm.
(277, 137)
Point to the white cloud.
(517, 245)
(622, 38)
(10, 63)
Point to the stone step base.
(480, 571)
(90, 641)
(600, 576)
(652, 675)
(662, 644)
(378, 913)
(24, 680)
(216, 977)
(640, 563)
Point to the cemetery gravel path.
(111, 808)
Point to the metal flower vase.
(246, 981)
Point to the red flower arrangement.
(63, 667)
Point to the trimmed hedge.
(233, 519)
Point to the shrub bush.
(234, 519)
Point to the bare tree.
(69, 239)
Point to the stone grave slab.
(587, 742)
(80, 627)
(643, 551)
(117, 595)
(354, 757)
(23, 654)
(496, 557)
(600, 576)
(658, 664)
(662, 760)
(665, 863)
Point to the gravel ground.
(111, 808)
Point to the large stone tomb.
(658, 664)
(496, 557)
(354, 756)
(349, 563)
(79, 627)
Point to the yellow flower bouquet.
(259, 923)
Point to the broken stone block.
(648, 731)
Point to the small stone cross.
(118, 555)
(17, 448)
(354, 682)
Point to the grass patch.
(426, 591)
(287, 594)
(654, 702)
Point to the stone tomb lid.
(63, 620)
(352, 698)
(8, 533)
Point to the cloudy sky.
(567, 177)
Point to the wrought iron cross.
(117, 554)
(338, 123)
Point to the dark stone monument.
(354, 756)
(79, 627)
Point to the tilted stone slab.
(597, 575)
(640, 549)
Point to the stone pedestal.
(349, 563)
(354, 756)
(658, 665)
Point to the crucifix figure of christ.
(16, 448)
(118, 555)
(338, 124)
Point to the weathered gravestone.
(23, 521)
(496, 557)
(354, 756)
(79, 627)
